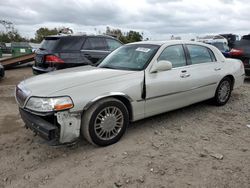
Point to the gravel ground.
(197, 146)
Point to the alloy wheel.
(224, 91)
(108, 123)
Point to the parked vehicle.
(135, 81)
(241, 50)
(223, 47)
(64, 51)
(4, 48)
(218, 41)
(1, 71)
(231, 39)
(212, 38)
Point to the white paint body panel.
(165, 90)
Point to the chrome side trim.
(173, 93)
(107, 95)
(104, 51)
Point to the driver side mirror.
(161, 65)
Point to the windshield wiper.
(109, 67)
(120, 68)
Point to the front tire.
(223, 92)
(105, 122)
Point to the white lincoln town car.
(135, 81)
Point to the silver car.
(135, 81)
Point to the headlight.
(41, 104)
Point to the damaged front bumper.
(60, 127)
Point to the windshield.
(130, 57)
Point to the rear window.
(49, 43)
(62, 43)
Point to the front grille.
(21, 96)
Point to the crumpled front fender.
(70, 125)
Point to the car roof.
(169, 42)
(79, 35)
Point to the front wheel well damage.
(127, 103)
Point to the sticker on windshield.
(140, 49)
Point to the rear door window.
(94, 43)
(112, 44)
(200, 54)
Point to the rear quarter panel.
(230, 66)
(235, 68)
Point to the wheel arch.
(231, 77)
(125, 99)
(216, 99)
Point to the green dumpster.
(20, 48)
(1, 53)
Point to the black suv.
(241, 50)
(64, 51)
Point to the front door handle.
(217, 69)
(185, 75)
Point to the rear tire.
(105, 122)
(223, 92)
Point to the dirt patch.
(197, 146)
(13, 77)
(9, 124)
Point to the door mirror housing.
(161, 65)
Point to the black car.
(1, 71)
(64, 51)
(231, 38)
(241, 50)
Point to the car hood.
(46, 84)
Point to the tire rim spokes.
(108, 123)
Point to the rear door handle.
(217, 69)
(185, 75)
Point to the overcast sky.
(157, 19)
